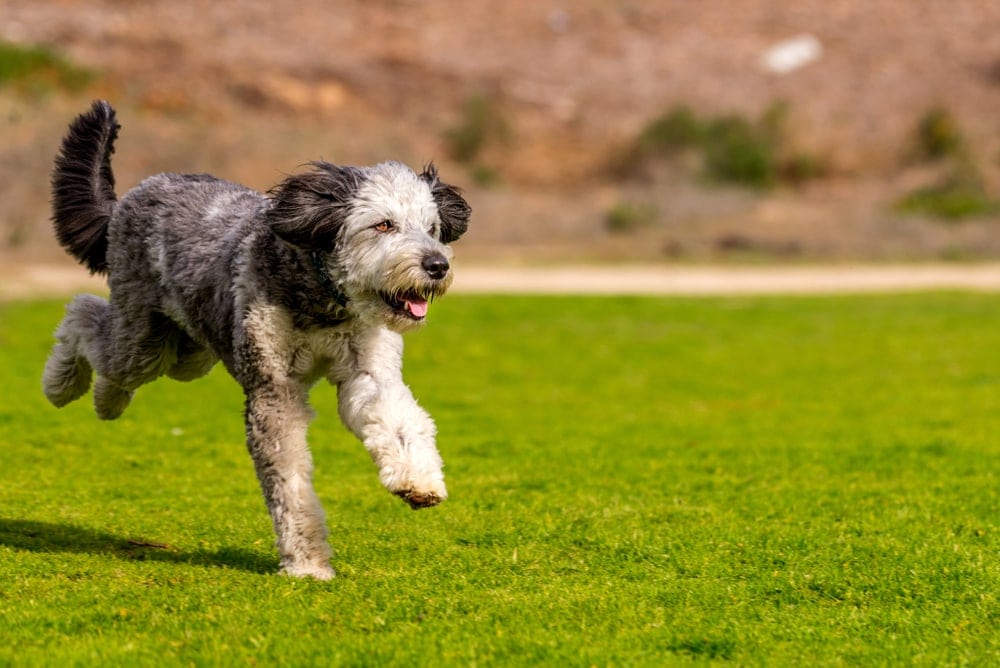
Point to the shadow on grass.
(48, 537)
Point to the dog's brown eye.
(384, 226)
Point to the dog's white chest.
(286, 350)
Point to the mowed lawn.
(783, 481)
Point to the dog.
(317, 278)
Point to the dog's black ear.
(308, 209)
(453, 210)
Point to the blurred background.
(593, 131)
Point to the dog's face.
(383, 233)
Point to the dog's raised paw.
(418, 500)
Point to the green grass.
(633, 482)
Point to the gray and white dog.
(317, 279)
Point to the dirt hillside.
(555, 95)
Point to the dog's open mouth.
(410, 304)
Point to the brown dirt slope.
(252, 89)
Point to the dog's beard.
(390, 284)
(399, 307)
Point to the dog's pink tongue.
(417, 307)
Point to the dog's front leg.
(277, 417)
(379, 408)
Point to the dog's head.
(382, 234)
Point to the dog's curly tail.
(83, 186)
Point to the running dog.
(316, 279)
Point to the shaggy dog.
(317, 279)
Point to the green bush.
(937, 135)
(626, 216)
(950, 201)
(39, 68)
(674, 131)
(961, 192)
(748, 152)
(481, 123)
(737, 151)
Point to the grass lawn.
(633, 482)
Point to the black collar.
(324, 279)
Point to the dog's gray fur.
(317, 279)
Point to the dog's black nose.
(436, 265)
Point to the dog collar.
(325, 280)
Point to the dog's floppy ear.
(309, 208)
(453, 210)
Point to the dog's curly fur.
(317, 279)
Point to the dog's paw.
(66, 377)
(315, 571)
(420, 484)
(418, 500)
(110, 401)
(427, 491)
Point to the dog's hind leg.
(80, 339)
(110, 398)
(84, 346)
(193, 360)
(87, 343)
(141, 347)
(277, 417)
(126, 349)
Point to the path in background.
(708, 280)
(19, 282)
